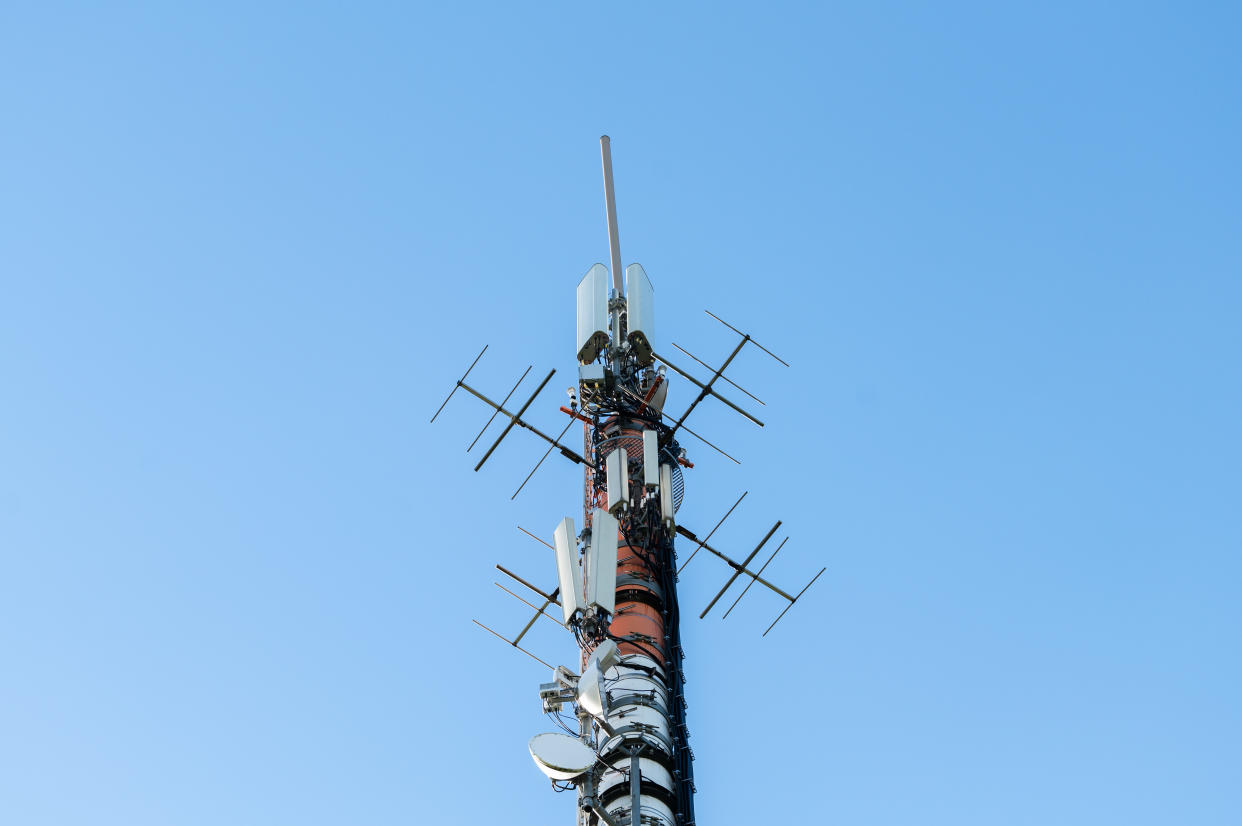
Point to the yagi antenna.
(505, 401)
(740, 569)
(706, 390)
(545, 455)
(746, 337)
(723, 378)
(549, 598)
(616, 580)
(515, 419)
(513, 643)
(537, 539)
(709, 533)
(459, 383)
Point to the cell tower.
(630, 758)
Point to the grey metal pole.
(610, 198)
(635, 783)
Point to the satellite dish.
(560, 756)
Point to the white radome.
(560, 756)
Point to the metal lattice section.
(679, 484)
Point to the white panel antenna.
(617, 466)
(566, 543)
(601, 562)
(592, 313)
(640, 312)
(666, 494)
(651, 458)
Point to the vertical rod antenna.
(610, 202)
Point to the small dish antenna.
(560, 756)
(591, 695)
(606, 654)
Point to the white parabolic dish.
(560, 756)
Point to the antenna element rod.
(610, 201)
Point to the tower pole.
(646, 775)
(630, 759)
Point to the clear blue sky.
(246, 248)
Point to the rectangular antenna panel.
(601, 561)
(617, 466)
(592, 313)
(566, 544)
(593, 378)
(640, 312)
(651, 458)
(666, 493)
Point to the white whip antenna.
(610, 204)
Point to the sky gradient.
(245, 250)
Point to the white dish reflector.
(640, 312)
(617, 467)
(651, 458)
(592, 313)
(560, 756)
(601, 562)
(566, 544)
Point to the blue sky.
(245, 250)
